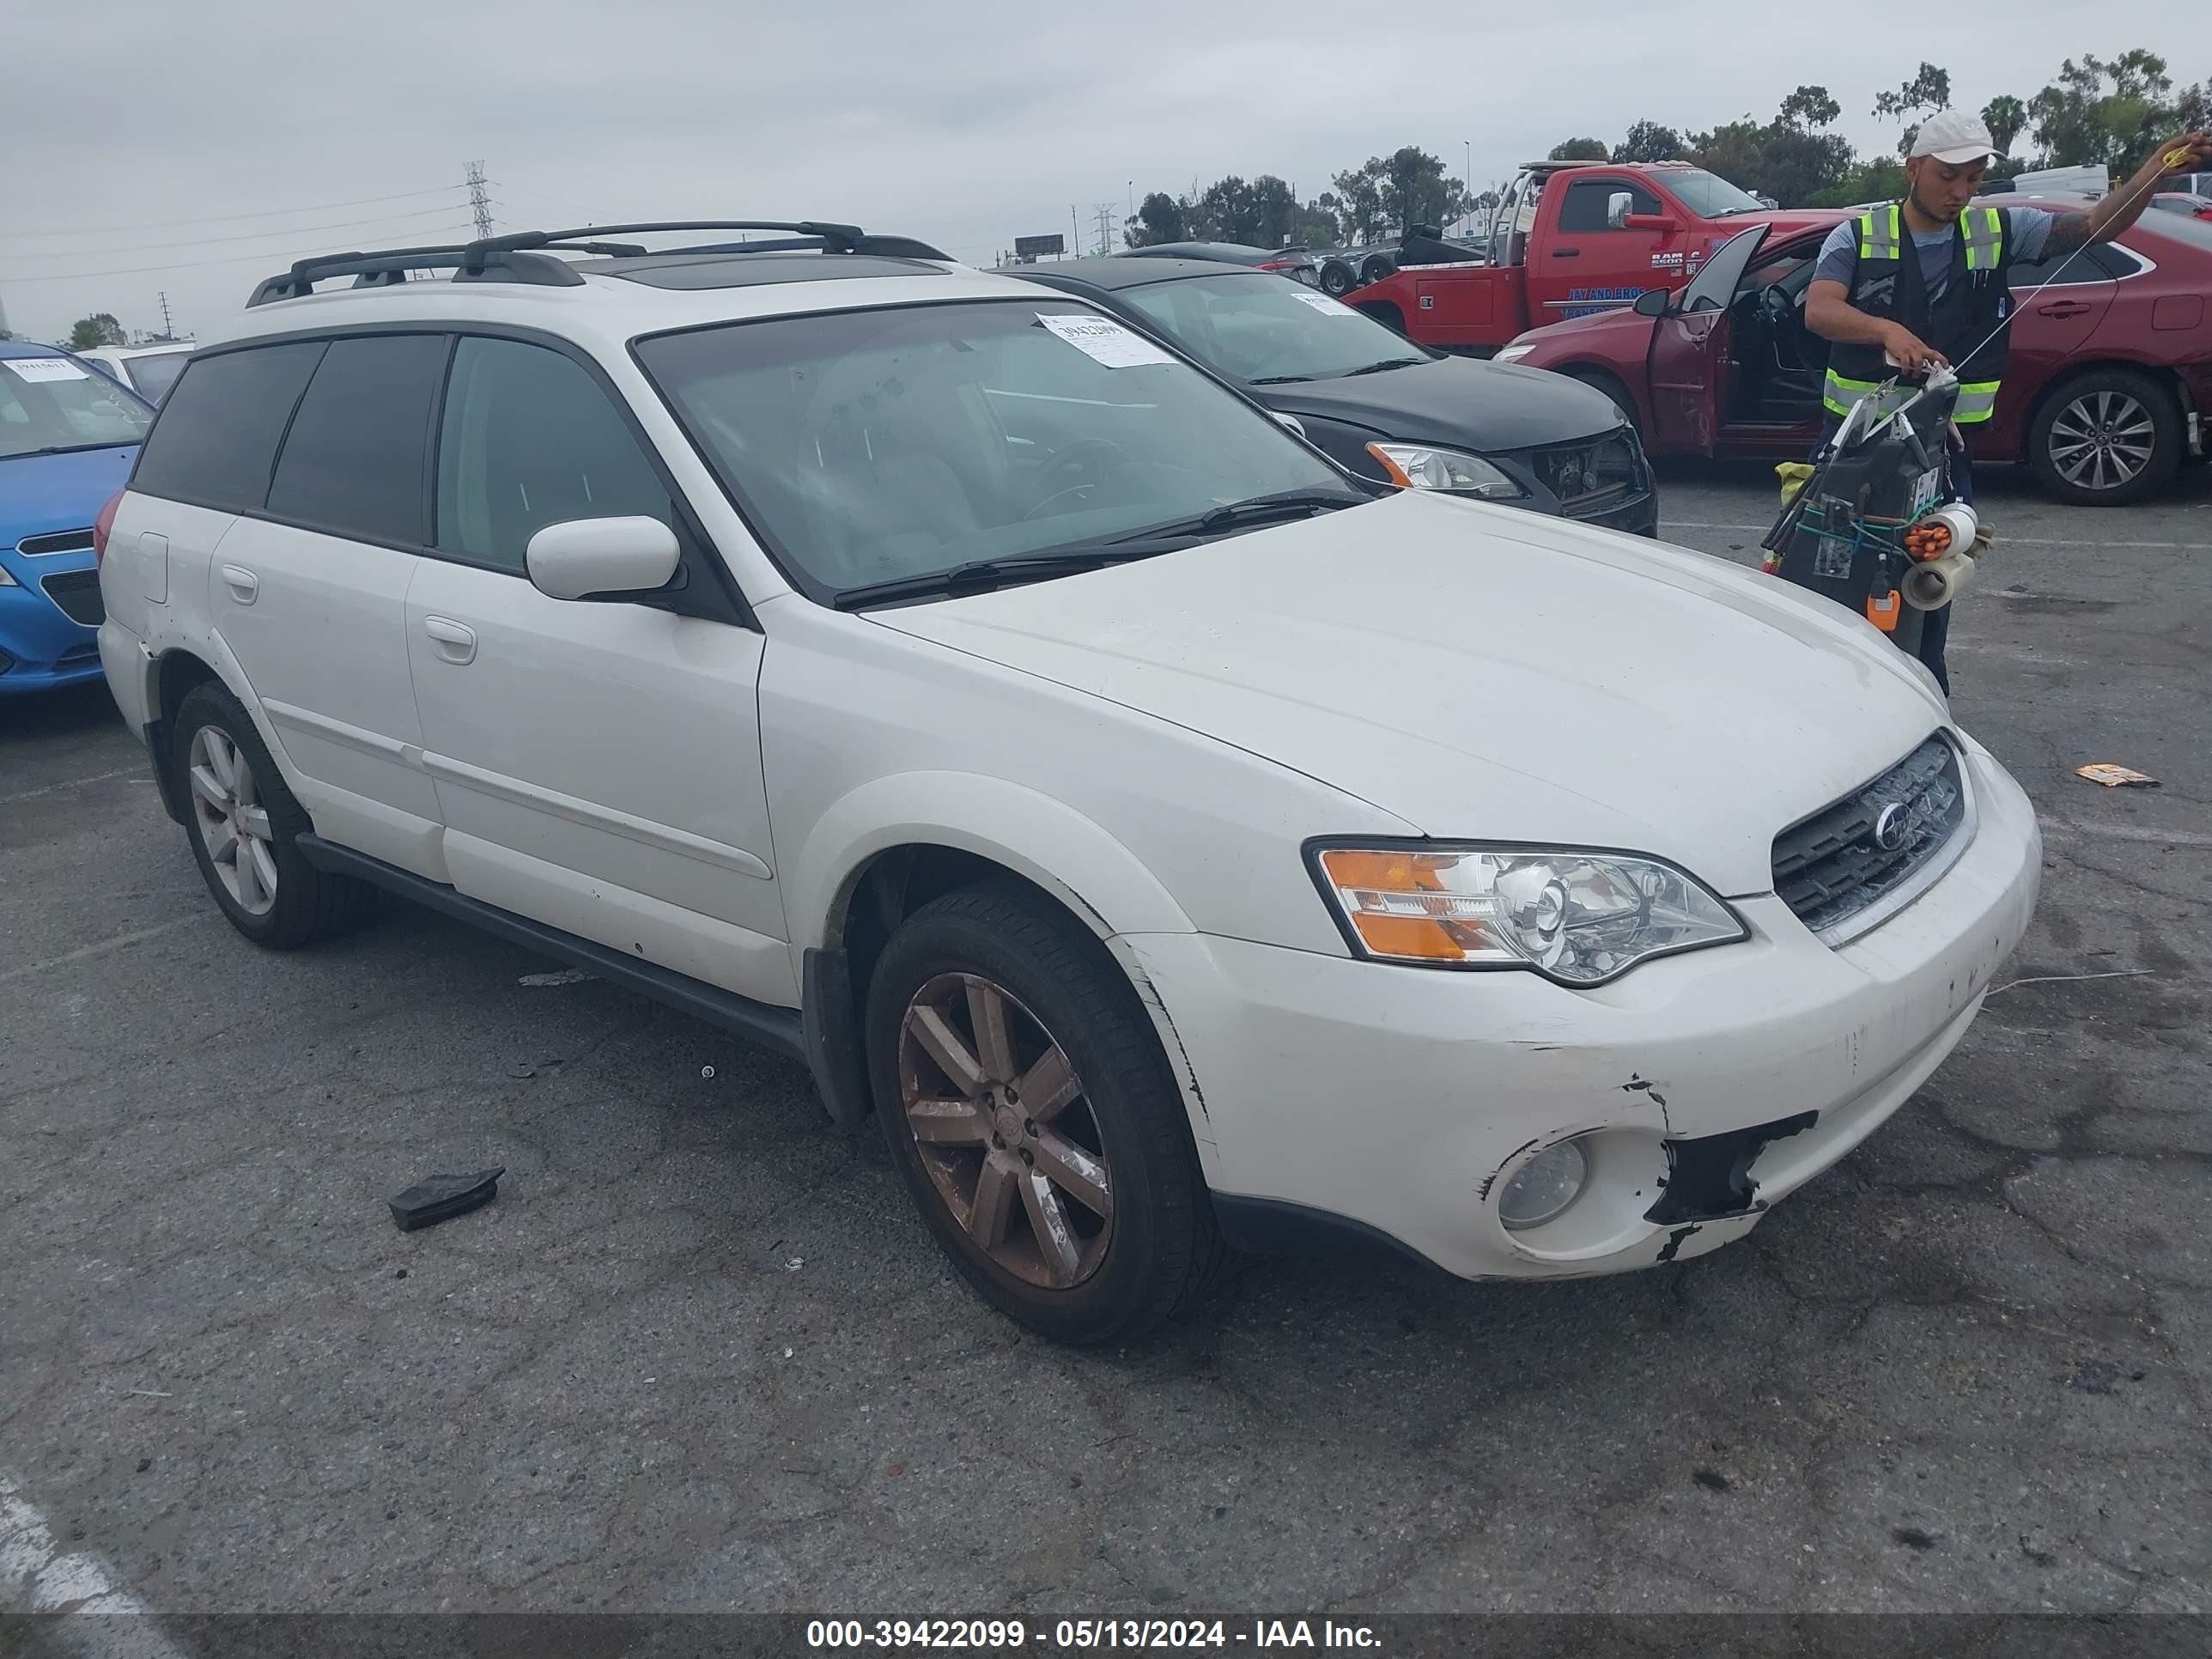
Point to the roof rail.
(525, 256)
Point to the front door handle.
(454, 642)
(1566, 253)
(245, 586)
(2064, 308)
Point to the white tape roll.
(1931, 585)
(1958, 518)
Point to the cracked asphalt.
(699, 1355)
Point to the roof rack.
(526, 255)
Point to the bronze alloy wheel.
(1005, 1131)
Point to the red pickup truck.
(1569, 238)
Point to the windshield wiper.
(1279, 380)
(981, 575)
(68, 449)
(1242, 515)
(1388, 362)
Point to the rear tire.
(1336, 278)
(1014, 997)
(1375, 268)
(2106, 437)
(244, 827)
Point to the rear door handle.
(452, 641)
(245, 586)
(2064, 308)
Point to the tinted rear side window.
(215, 441)
(355, 459)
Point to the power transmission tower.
(479, 204)
(1105, 216)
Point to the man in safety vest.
(1888, 314)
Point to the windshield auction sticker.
(42, 368)
(1105, 341)
(1327, 306)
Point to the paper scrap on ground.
(1106, 342)
(2114, 777)
(566, 976)
(1327, 306)
(44, 369)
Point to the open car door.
(1687, 367)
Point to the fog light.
(1543, 1187)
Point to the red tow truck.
(1568, 238)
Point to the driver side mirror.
(602, 558)
(1661, 222)
(1652, 302)
(1617, 207)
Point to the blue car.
(68, 438)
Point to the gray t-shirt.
(1839, 254)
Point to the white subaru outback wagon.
(1177, 844)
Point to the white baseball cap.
(1953, 136)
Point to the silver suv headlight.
(1576, 916)
(1425, 466)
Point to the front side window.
(530, 439)
(51, 403)
(1266, 329)
(1589, 204)
(353, 461)
(873, 446)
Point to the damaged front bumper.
(1394, 1104)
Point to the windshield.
(50, 403)
(156, 374)
(874, 445)
(1264, 327)
(1707, 195)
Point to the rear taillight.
(103, 525)
(1279, 264)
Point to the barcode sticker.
(1106, 342)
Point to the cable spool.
(1932, 585)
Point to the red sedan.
(2111, 369)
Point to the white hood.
(1486, 674)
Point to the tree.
(1785, 159)
(2080, 122)
(1417, 191)
(1580, 149)
(2005, 116)
(1158, 220)
(1647, 140)
(1919, 98)
(98, 330)
(1359, 199)
(1808, 107)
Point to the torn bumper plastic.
(1701, 1089)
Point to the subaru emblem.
(1890, 827)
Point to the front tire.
(2106, 437)
(1336, 278)
(245, 825)
(1025, 1099)
(1375, 268)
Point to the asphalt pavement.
(701, 1355)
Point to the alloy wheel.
(233, 825)
(2102, 440)
(1005, 1131)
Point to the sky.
(208, 144)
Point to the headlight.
(1420, 466)
(1580, 918)
(1513, 354)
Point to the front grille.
(77, 594)
(58, 541)
(1835, 866)
(1589, 478)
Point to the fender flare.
(1040, 839)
